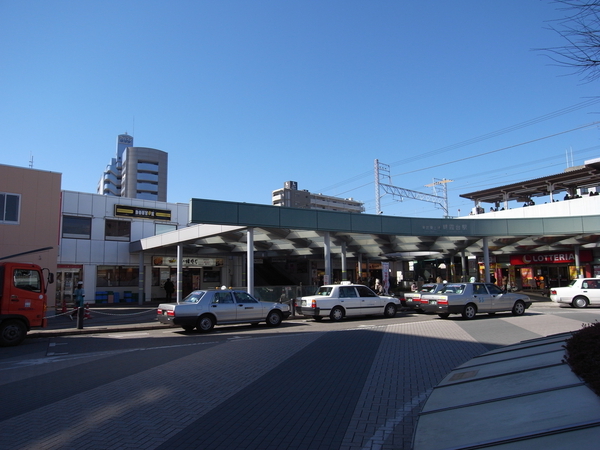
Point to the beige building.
(30, 218)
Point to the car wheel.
(469, 311)
(443, 315)
(390, 310)
(580, 302)
(519, 308)
(205, 324)
(188, 328)
(336, 314)
(318, 318)
(274, 318)
(12, 332)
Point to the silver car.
(204, 309)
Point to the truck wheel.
(12, 332)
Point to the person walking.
(79, 296)
(169, 289)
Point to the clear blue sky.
(245, 95)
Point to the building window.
(9, 207)
(117, 230)
(161, 228)
(77, 227)
(117, 276)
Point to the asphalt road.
(357, 384)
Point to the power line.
(560, 112)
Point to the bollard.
(80, 316)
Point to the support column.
(577, 261)
(141, 278)
(486, 260)
(179, 284)
(344, 268)
(359, 269)
(327, 245)
(465, 266)
(250, 260)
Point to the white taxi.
(337, 301)
(580, 293)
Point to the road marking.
(130, 335)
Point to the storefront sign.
(142, 213)
(187, 261)
(529, 259)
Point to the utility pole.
(382, 171)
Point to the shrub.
(583, 354)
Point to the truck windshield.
(28, 280)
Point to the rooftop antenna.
(30, 160)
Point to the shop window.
(161, 228)
(77, 227)
(117, 230)
(117, 276)
(211, 276)
(9, 208)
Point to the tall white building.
(135, 172)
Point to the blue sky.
(245, 95)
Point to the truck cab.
(23, 300)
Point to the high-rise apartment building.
(292, 197)
(135, 172)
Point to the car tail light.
(552, 291)
(171, 313)
(159, 311)
(313, 304)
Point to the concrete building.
(95, 234)
(291, 197)
(30, 217)
(135, 172)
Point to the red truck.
(23, 300)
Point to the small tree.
(581, 29)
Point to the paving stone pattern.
(352, 389)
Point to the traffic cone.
(88, 314)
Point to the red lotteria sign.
(550, 258)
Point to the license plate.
(303, 302)
(433, 302)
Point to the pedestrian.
(169, 289)
(79, 296)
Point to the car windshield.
(453, 289)
(324, 290)
(194, 297)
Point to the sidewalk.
(518, 397)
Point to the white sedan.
(580, 293)
(337, 301)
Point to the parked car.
(468, 299)
(204, 309)
(337, 301)
(412, 300)
(580, 293)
